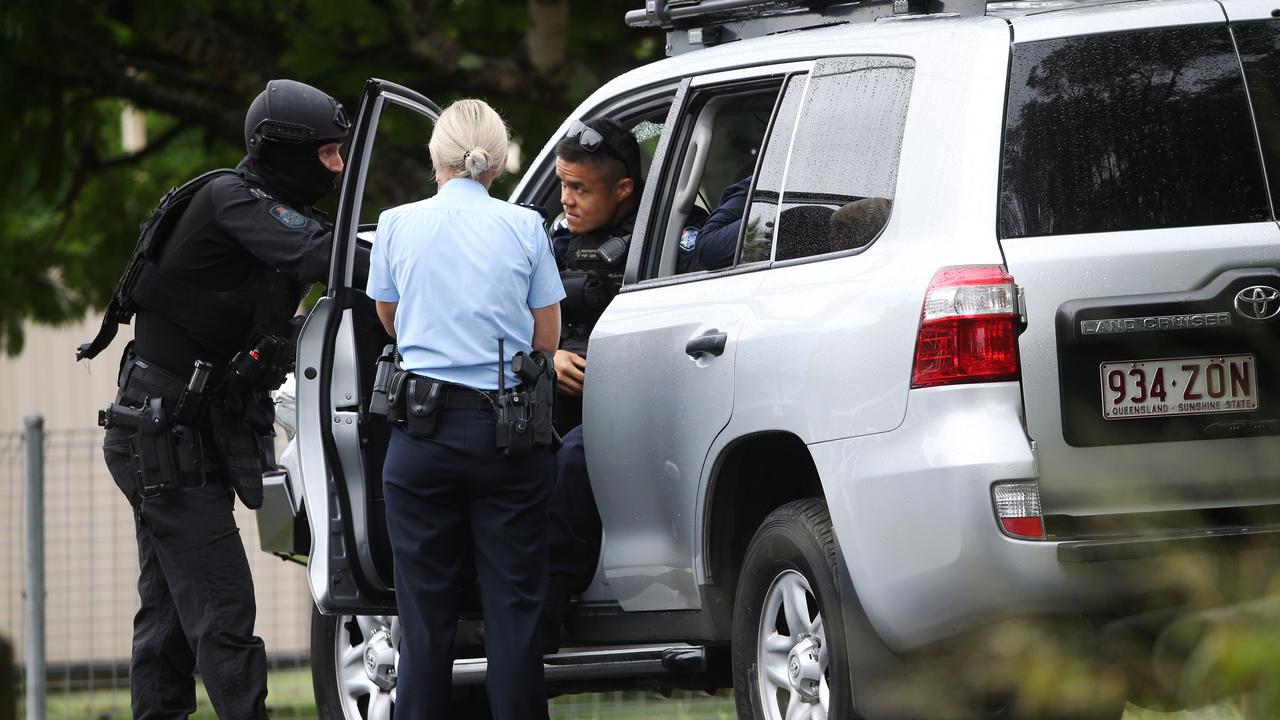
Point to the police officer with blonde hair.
(451, 275)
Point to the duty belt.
(456, 397)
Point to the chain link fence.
(91, 568)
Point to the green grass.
(290, 697)
(643, 706)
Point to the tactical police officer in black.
(218, 273)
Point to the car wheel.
(353, 665)
(788, 646)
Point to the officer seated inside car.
(713, 246)
(598, 164)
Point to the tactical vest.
(591, 279)
(224, 320)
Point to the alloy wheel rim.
(365, 664)
(792, 665)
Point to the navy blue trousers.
(442, 493)
(575, 521)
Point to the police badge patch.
(288, 216)
(688, 239)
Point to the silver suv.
(997, 348)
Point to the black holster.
(165, 455)
(421, 401)
(383, 375)
(524, 414)
(402, 398)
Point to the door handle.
(711, 342)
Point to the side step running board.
(601, 664)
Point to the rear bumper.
(913, 513)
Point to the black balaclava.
(295, 171)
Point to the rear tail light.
(968, 328)
(1018, 508)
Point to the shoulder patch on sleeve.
(688, 239)
(288, 216)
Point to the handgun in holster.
(163, 456)
(524, 414)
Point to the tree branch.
(152, 146)
(548, 38)
(479, 73)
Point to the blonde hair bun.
(470, 139)
(476, 162)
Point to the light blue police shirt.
(465, 268)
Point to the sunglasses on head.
(591, 141)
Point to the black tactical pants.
(435, 490)
(197, 599)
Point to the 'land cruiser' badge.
(288, 216)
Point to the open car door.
(341, 450)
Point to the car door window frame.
(542, 187)
(663, 168)
(892, 61)
(806, 77)
(332, 308)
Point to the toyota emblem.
(1258, 302)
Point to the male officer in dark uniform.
(715, 245)
(598, 164)
(219, 290)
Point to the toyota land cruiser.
(999, 346)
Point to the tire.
(346, 690)
(789, 575)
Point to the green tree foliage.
(73, 196)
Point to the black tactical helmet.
(293, 113)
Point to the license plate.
(1179, 386)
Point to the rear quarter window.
(1259, 46)
(1128, 131)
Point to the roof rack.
(693, 24)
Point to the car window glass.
(399, 166)
(707, 180)
(647, 134)
(1259, 46)
(757, 239)
(1128, 131)
(844, 161)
